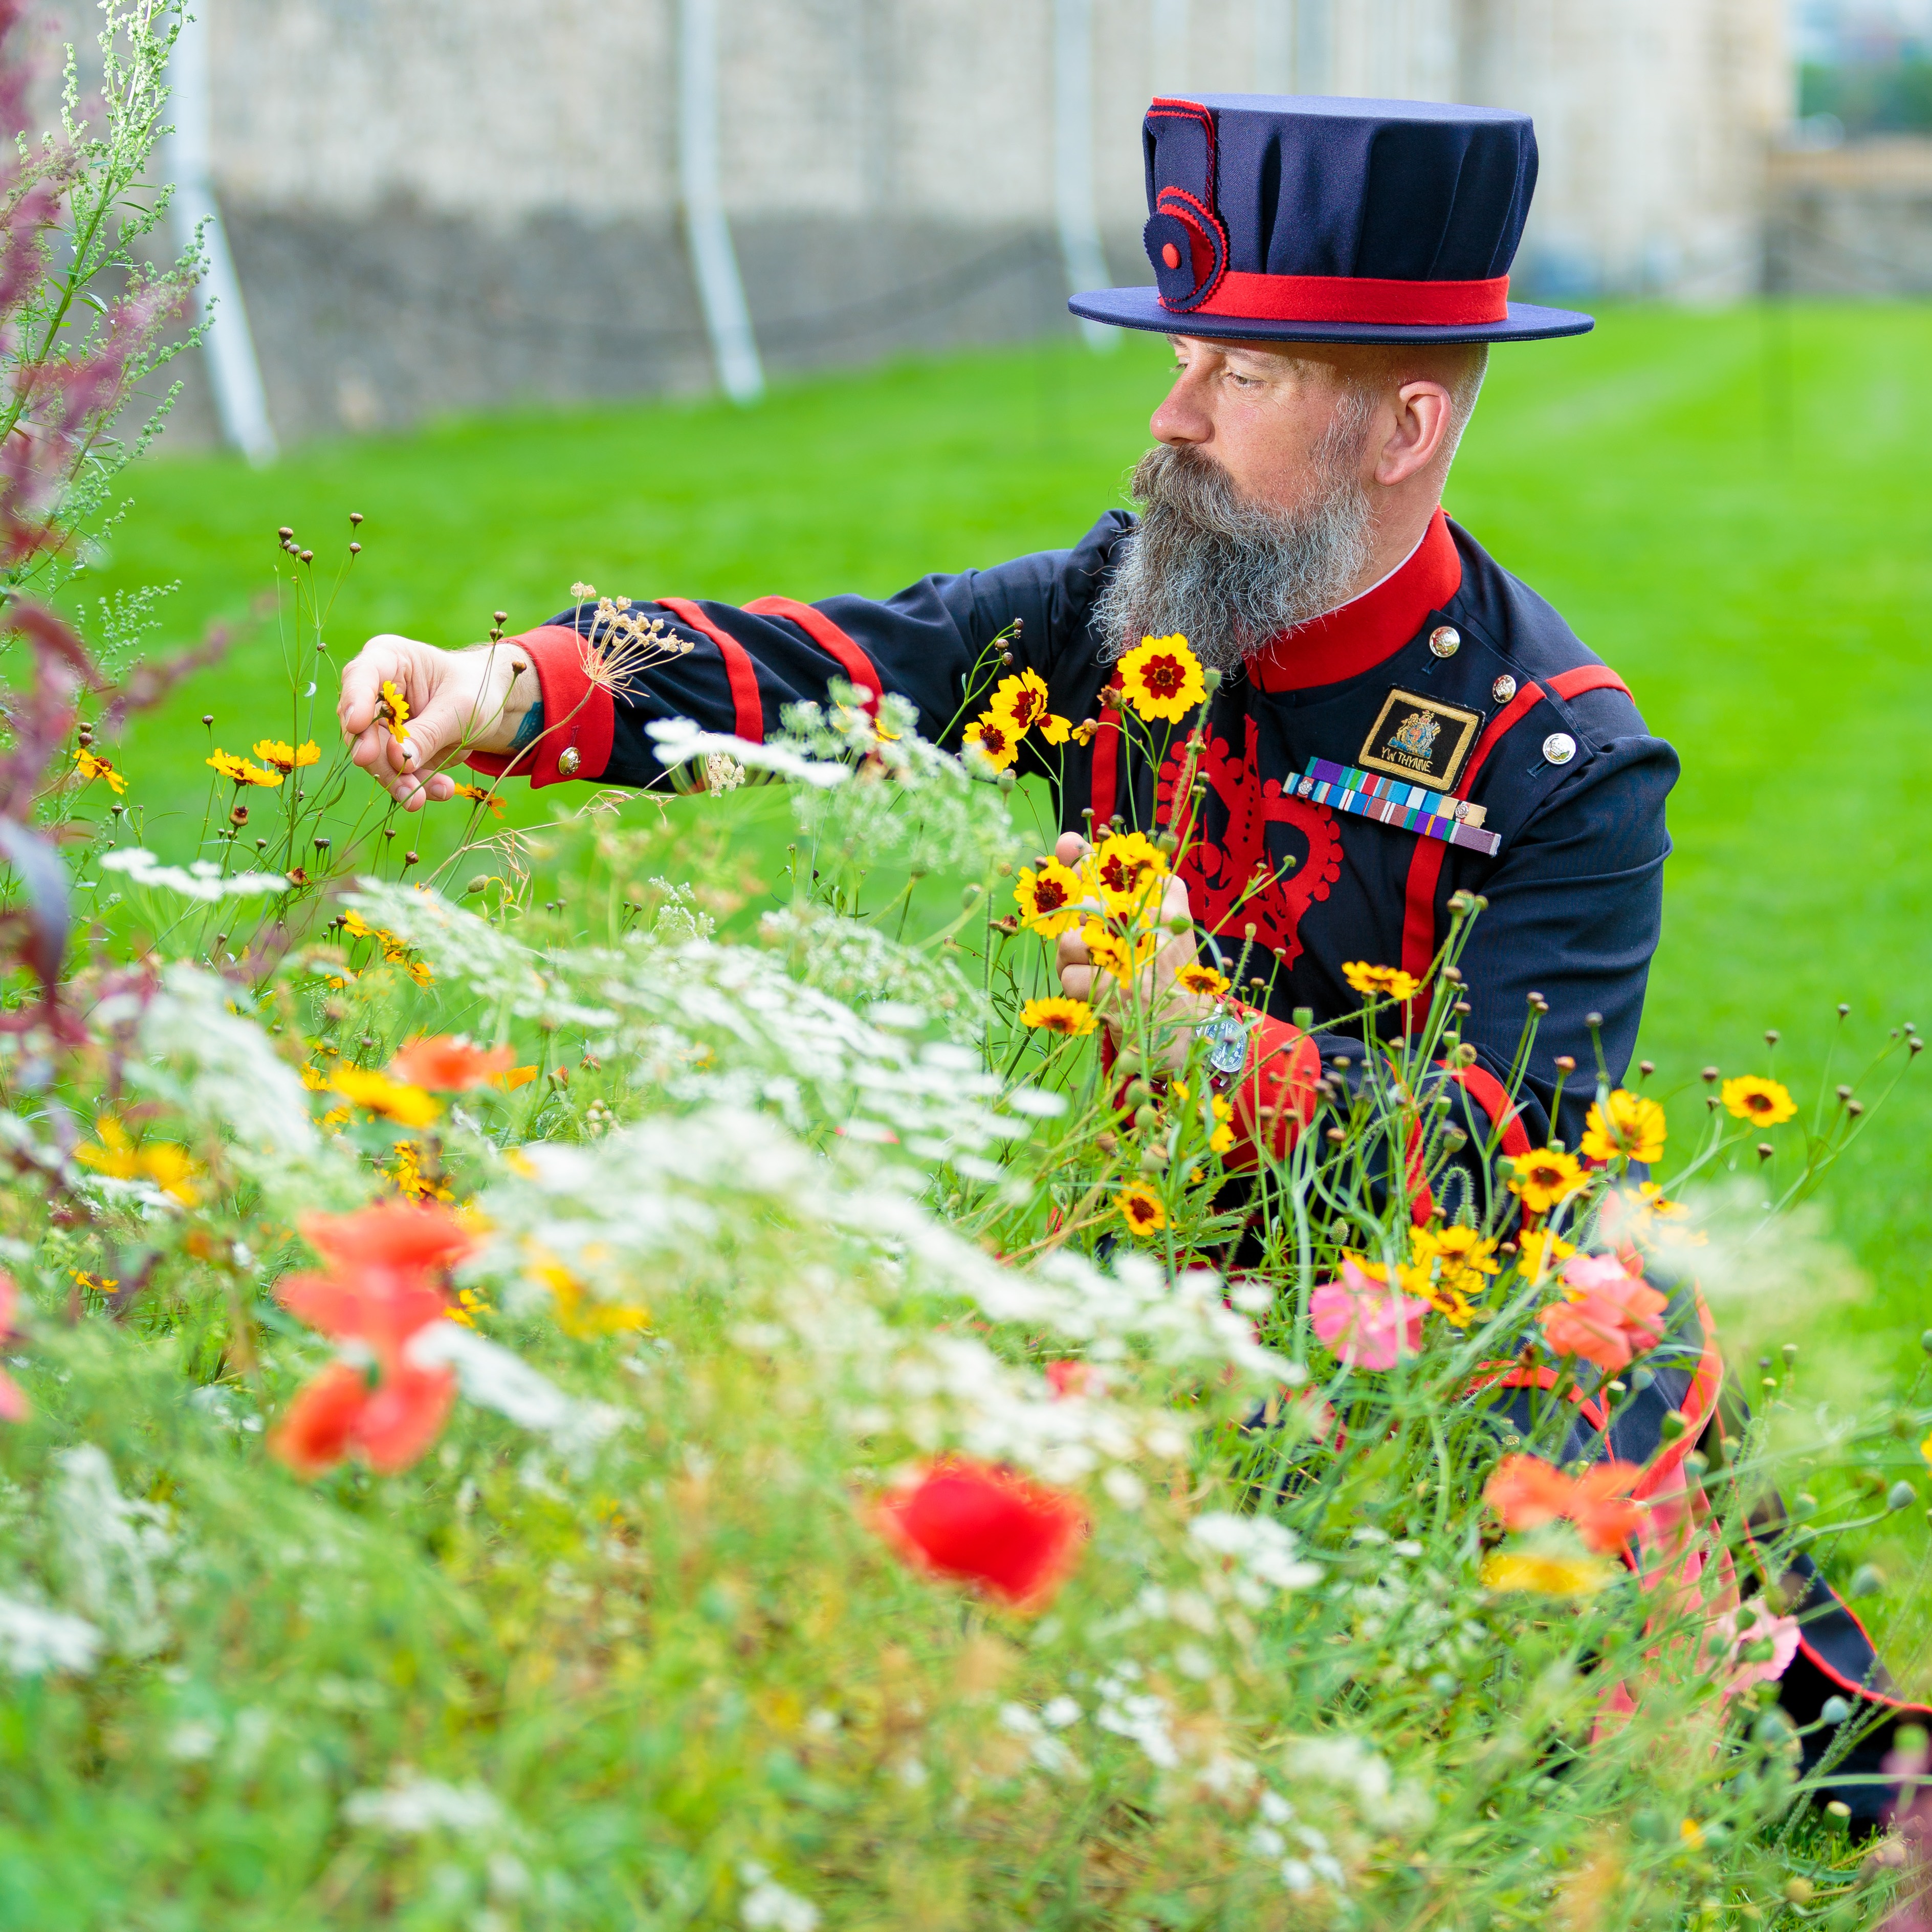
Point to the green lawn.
(1731, 508)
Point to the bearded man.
(1397, 719)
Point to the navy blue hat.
(1320, 220)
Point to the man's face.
(1258, 410)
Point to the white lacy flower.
(33, 1638)
(413, 1805)
(494, 1378)
(202, 880)
(768, 1907)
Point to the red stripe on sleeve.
(1489, 1093)
(579, 716)
(829, 637)
(738, 668)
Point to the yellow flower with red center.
(1082, 733)
(1652, 1197)
(1114, 953)
(1049, 899)
(241, 770)
(412, 1182)
(1626, 1126)
(1380, 982)
(1162, 678)
(998, 742)
(285, 756)
(1055, 729)
(1542, 1178)
(1072, 1018)
(1126, 869)
(377, 1094)
(1140, 1208)
(1547, 1573)
(1021, 702)
(1202, 979)
(91, 765)
(393, 708)
(1766, 1103)
(1222, 1138)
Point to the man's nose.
(1183, 416)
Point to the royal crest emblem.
(1416, 734)
(1419, 738)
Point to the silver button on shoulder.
(1445, 640)
(1503, 689)
(1559, 747)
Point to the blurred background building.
(440, 204)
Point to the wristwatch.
(1225, 1037)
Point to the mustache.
(1227, 572)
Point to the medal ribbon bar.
(1412, 807)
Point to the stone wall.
(1853, 220)
(439, 204)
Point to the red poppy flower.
(381, 1308)
(1601, 1509)
(400, 1236)
(449, 1065)
(1014, 1539)
(1526, 1491)
(389, 1426)
(1067, 1378)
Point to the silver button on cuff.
(1503, 689)
(1445, 640)
(1559, 747)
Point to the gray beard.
(1229, 574)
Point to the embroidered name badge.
(1419, 738)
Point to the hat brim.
(1142, 308)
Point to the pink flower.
(1608, 1315)
(1750, 1628)
(1366, 1322)
(14, 1406)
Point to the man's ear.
(1424, 410)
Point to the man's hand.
(470, 700)
(1177, 1012)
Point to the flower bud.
(969, 895)
(239, 816)
(1139, 1093)
(1672, 1426)
(1900, 1495)
(480, 884)
(1146, 1119)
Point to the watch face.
(1226, 1040)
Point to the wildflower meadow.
(591, 1382)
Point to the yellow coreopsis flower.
(1126, 869)
(395, 1100)
(1542, 1178)
(1049, 899)
(1222, 1138)
(112, 1153)
(1541, 1252)
(1767, 1103)
(1626, 1127)
(1380, 982)
(91, 765)
(998, 743)
(478, 795)
(1548, 1575)
(1020, 702)
(285, 756)
(1055, 729)
(1162, 678)
(1140, 1208)
(1202, 979)
(1072, 1018)
(241, 770)
(1113, 953)
(393, 710)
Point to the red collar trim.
(1369, 628)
